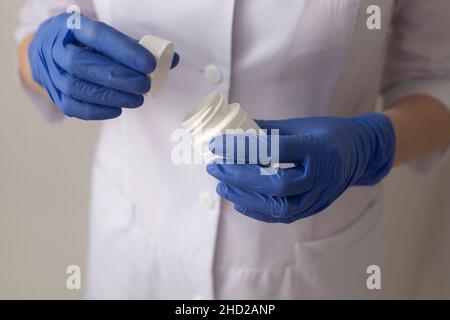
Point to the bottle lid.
(163, 52)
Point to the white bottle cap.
(163, 51)
(213, 116)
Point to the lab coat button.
(206, 200)
(213, 74)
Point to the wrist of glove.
(380, 137)
(330, 154)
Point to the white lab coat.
(158, 230)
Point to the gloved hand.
(92, 72)
(330, 154)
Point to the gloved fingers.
(284, 182)
(90, 92)
(277, 207)
(85, 64)
(243, 148)
(316, 200)
(254, 149)
(282, 209)
(256, 215)
(309, 203)
(114, 44)
(318, 206)
(86, 111)
(284, 127)
(298, 148)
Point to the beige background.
(44, 195)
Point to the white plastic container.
(213, 116)
(163, 51)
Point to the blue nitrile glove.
(92, 72)
(330, 154)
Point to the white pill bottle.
(214, 116)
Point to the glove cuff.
(382, 147)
